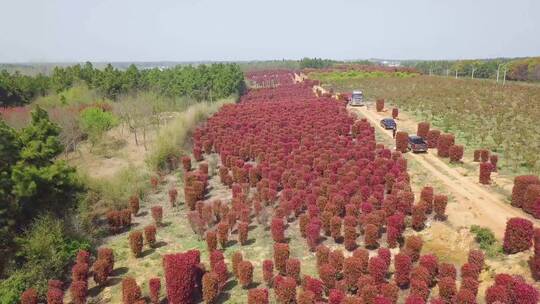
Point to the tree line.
(202, 82)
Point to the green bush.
(486, 240)
(45, 250)
(95, 122)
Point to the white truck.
(357, 99)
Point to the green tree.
(95, 122)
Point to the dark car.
(417, 144)
(388, 123)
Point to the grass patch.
(486, 240)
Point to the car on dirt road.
(357, 99)
(417, 144)
(388, 123)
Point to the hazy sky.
(187, 30)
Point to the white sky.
(191, 30)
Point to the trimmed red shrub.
(423, 129)
(518, 235)
(350, 236)
(83, 257)
(447, 288)
(419, 288)
(186, 163)
(414, 299)
(470, 270)
(313, 234)
(79, 291)
(210, 287)
(484, 155)
(131, 292)
(305, 297)
(470, 284)
(335, 228)
(222, 273)
(223, 234)
(235, 261)
(476, 155)
(327, 273)
(439, 206)
(136, 242)
(371, 236)
(293, 269)
(395, 113)
(268, 271)
(426, 195)
(497, 294)
(386, 255)
(352, 270)
(243, 229)
(390, 291)
(485, 174)
(336, 259)
(431, 263)
(100, 271)
(402, 141)
(285, 289)
(281, 254)
(211, 240)
(476, 257)
(379, 105)
(154, 182)
(134, 205)
(433, 138)
(336, 296)
(182, 276)
(173, 194)
(520, 188)
(29, 296)
(245, 273)
(403, 265)
(532, 194)
(523, 293)
(303, 221)
(369, 293)
(55, 295)
(258, 296)
(446, 140)
(107, 255)
(419, 216)
(392, 236)
(322, 255)
(154, 284)
(456, 153)
(494, 159)
(150, 235)
(278, 230)
(79, 272)
(157, 214)
(421, 273)
(377, 269)
(413, 246)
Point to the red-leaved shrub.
(150, 235)
(281, 254)
(258, 296)
(520, 188)
(154, 285)
(29, 296)
(293, 269)
(446, 140)
(78, 291)
(456, 153)
(278, 230)
(136, 242)
(423, 129)
(447, 289)
(433, 138)
(210, 287)
(402, 141)
(518, 235)
(285, 289)
(484, 176)
(439, 206)
(100, 271)
(402, 265)
(245, 273)
(395, 113)
(157, 214)
(268, 271)
(131, 292)
(379, 105)
(182, 276)
(134, 205)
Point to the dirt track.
(487, 208)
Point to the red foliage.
(371, 236)
(470, 284)
(278, 230)
(336, 259)
(447, 270)
(520, 188)
(150, 235)
(107, 255)
(414, 299)
(439, 206)
(154, 285)
(484, 155)
(182, 276)
(377, 268)
(83, 257)
(379, 105)
(485, 174)
(418, 216)
(352, 270)
(476, 155)
(446, 140)
(281, 254)
(403, 265)
(523, 293)
(186, 163)
(423, 129)
(426, 195)
(173, 194)
(235, 261)
(431, 263)
(293, 269)
(101, 271)
(470, 270)
(211, 241)
(392, 236)
(322, 255)
(306, 297)
(136, 242)
(494, 159)
(245, 273)
(285, 289)
(518, 235)
(447, 288)
(268, 271)
(433, 138)
(243, 229)
(335, 228)
(336, 296)
(390, 291)
(395, 113)
(419, 288)
(413, 246)
(79, 272)
(476, 257)
(303, 221)
(534, 266)
(497, 294)
(134, 205)
(79, 292)
(29, 296)
(157, 214)
(55, 295)
(131, 292)
(456, 153)
(210, 287)
(258, 296)
(402, 141)
(223, 234)
(327, 273)
(532, 194)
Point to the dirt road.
(487, 208)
